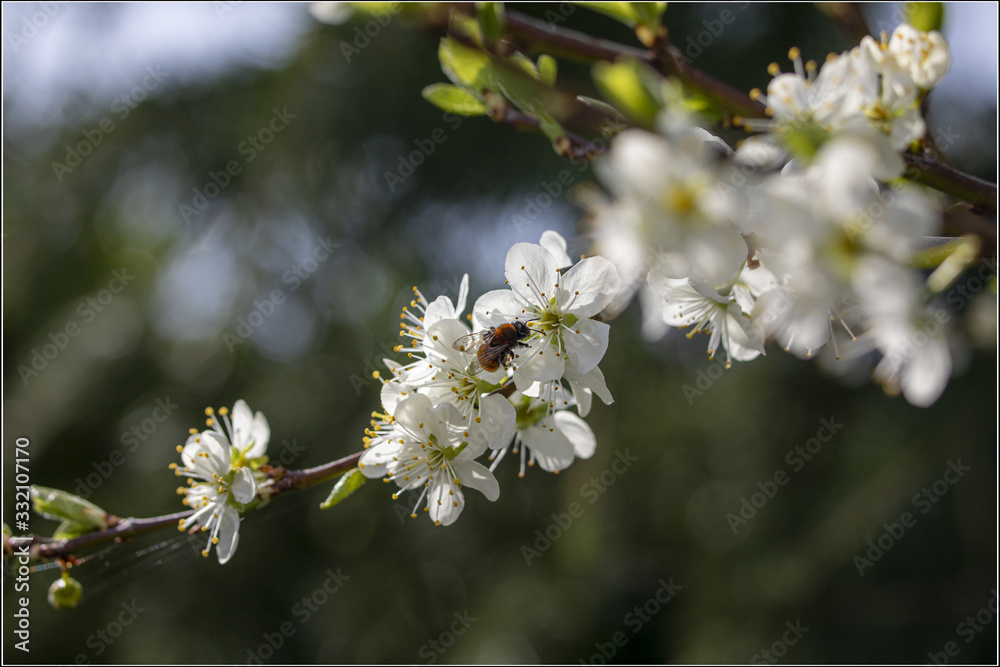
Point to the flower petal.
(577, 432)
(476, 476)
(541, 361)
(260, 435)
(586, 344)
(552, 450)
(926, 375)
(496, 427)
(215, 446)
(497, 307)
(244, 486)
(531, 273)
(413, 412)
(445, 502)
(241, 419)
(590, 286)
(556, 245)
(229, 534)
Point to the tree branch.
(534, 36)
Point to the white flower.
(690, 302)
(668, 199)
(427, 447)
(414, 325)
(248, 432)
(207, 456)
(887, 97)
(816, 223)
(557, 306)
(851, 92)
(489, 417)
(551, 439)
(922, 55)
(916, 359)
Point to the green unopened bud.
(65, 593)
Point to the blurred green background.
(184, 86)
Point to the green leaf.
(491, 19)
(630, 87)
(464, 66)
(460, 24)
(547, 69)
(58, 504)
(346, 485)
(924, 16)
(69, 529)
(620, 11)
(523, 63)
(454, 99)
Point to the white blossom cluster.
(816, 252)
(443, 410)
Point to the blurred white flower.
(912, 339)
(667, 200)
(922, 55)
(689, 302)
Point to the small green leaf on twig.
(464, 66)
(345, 486)
(454, 99)
(630, 88)
(491, 20)
(547, 69)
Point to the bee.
(496, 346)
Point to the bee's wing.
(470, 344)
